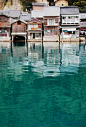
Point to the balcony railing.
(70, 21)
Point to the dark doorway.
(19, 41)
(33, 35)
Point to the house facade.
(82, 24)
(34, 29)
(51, 20)
(4, 27)
(69, 26)
(18, 32)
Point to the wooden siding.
(18, 27)
(51, 18)
(4, 32)
(4, 21)
(51, 26)
(38, 7)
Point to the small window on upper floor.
(62, 4)
(19, 23)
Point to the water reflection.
(56, 59)
(43, 88)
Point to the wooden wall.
(4, 21)
(16, 27)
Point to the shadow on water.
(19, 41)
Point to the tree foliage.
(27, 4)
(81, 4)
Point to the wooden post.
(42, 41)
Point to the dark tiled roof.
(14, 13)
(82, 15)
(82, 24)
(39, 4)
(25, 16)
(69, 10)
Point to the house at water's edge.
(54, 19)
(34, 30)
(69, 26)
(19, 33)
(82, 24)
(4, 27)
(51, 21)
(50, 17)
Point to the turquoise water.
(43, 86)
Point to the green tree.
(81, 4)
(27, 4)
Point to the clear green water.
(43, 89)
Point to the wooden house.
(19, 28)
(69, 23)
(4, 26)
(82, 24)
(51, 21)
(34, 29)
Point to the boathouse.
(4, 27)
(19, 33)
(69, 23)
(34, 29)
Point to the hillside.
(27, 4)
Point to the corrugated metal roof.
(69, 10)
(51, 11)
(82, 15)
(14, 13)
(37, 13)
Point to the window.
(19, 23)
(32, 26)
(51, 22)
